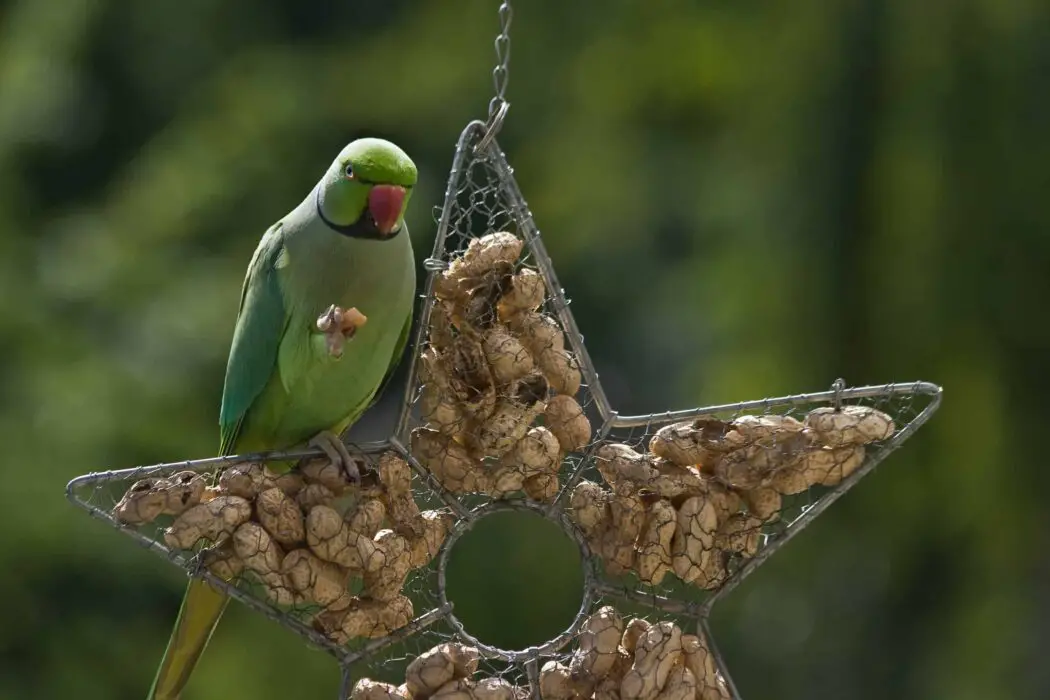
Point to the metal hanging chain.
(502, 70)
(498, 105)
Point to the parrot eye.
(349, 170)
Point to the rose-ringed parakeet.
(339, 259)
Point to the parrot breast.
(310, 391)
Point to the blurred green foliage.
(515, 579)
(743, 199)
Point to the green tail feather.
(202, 606)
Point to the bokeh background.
(743, 199)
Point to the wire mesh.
(503, 410)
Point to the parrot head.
(366, 190)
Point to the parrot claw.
(335, 449)
(339, 326)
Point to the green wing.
(261, 323)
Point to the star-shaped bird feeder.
(503, 410)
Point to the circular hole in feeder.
(515, 578)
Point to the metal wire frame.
(477, 143)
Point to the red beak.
(384, 204)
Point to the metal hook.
(493, 127)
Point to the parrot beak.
(384, 204)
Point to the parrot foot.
(335, 450)
(339, 326)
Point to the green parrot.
(304, 363)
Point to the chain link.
(498, 105)
(502, 70)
